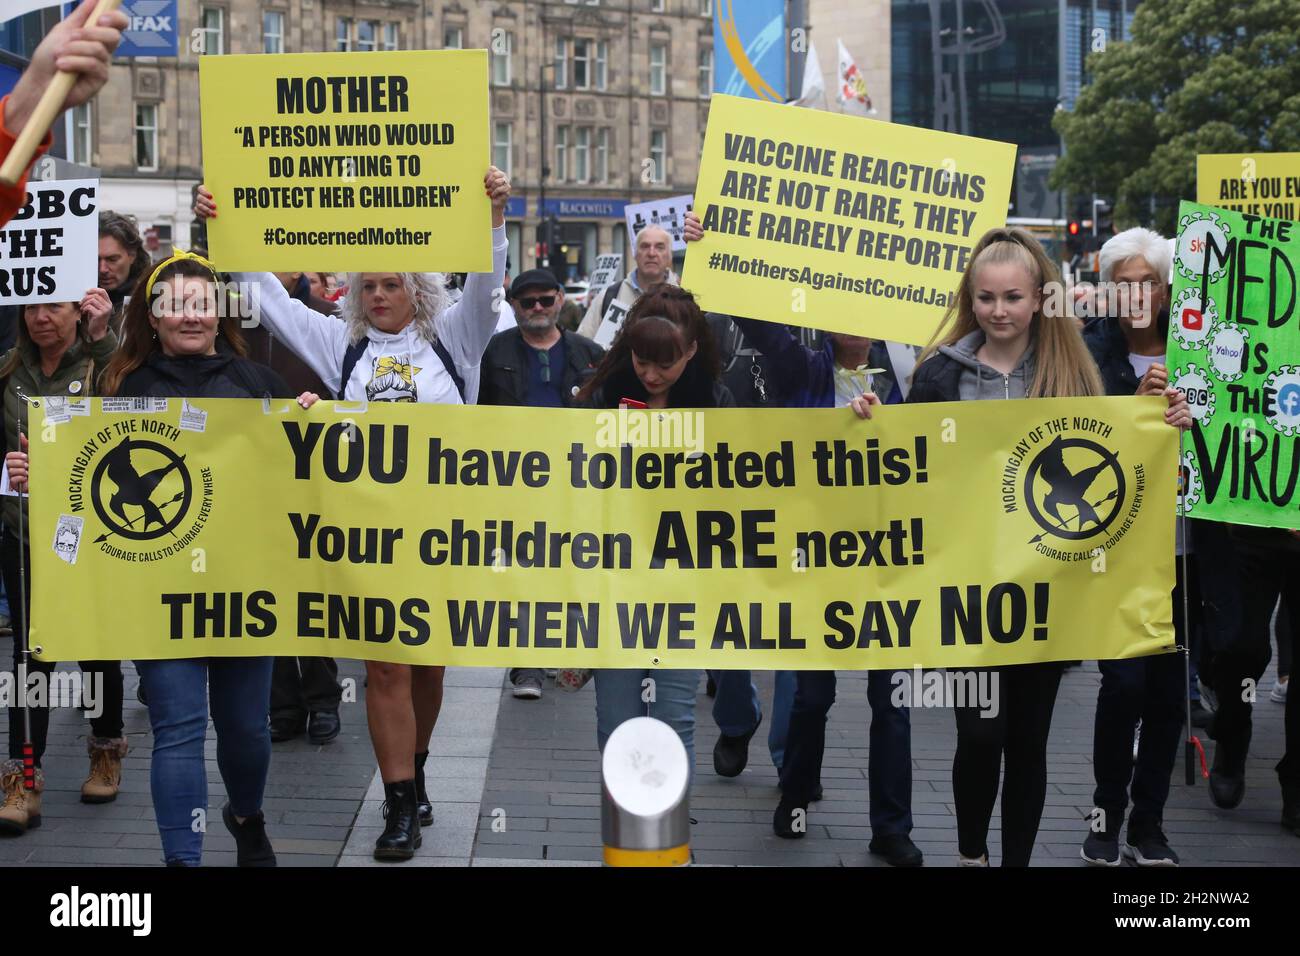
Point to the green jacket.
(81, 364)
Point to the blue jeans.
(619, 698)
(889, 764)
(178, 694)
(737, 711)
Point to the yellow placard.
(1257, 184)
(977, 533)
(348, 161)
(836, 222)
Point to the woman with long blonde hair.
(1007, 335)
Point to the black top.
(224, 375)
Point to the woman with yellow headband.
(62, 347)
(182, 340)
(402, 339)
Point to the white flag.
(853, 87)
(16, 8)
(814, 89)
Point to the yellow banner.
(835, 222)
(348, 161)
(1257, 184)
(942, 535)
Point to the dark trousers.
(104, 676)
(1149, 689)
(304, 685)
(889, 768)
(1241, 585)
(1026, 695)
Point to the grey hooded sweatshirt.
(979, 380)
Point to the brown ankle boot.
(21, 810)
(106, 755)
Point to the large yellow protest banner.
(1257, 184)
(837, 222)
(944, 535)
(348, 161)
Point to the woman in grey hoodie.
(999, 340)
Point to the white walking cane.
(29, 755)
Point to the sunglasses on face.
(526, 302)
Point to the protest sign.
(348, 161)
(934, 535)
(609, 269)
(1258, 184)
(1234, 349)
(668, 214)
(802, 227)
(49, 250)
(611, 323)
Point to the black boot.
(1228, 773)
(1291, 807)
(401, 836)
(422, 797)
(252, 848)
(790, 819)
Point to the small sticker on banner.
(56, 410)
(138, 406)
(192, 419)
(80, 407)
(67, 537)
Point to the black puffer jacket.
(224, 375)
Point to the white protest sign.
(609, 269)
(49, 250)
(610, 323)
(667, 213)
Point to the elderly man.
(539, 365)
(654, 264)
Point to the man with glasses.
(536, 364)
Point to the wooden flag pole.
(47, 110)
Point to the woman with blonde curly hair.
(401, 340)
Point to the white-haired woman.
(402, 340)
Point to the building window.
(706, 8)
(146, 136)
(706, 71)
(582, 156)
(656, 6)
(83, 146)
(561, 63)
(343, 35)
(272, 32)
(502, 45)
(501, 146)
(561, 154)
(366, 33)
(453, 38)
(601, 172)
(658, 154)
(658, 68)
(602, 57)
(212, 21)
(582, 64)
(390, 36)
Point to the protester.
(1129, 349)
(123, 260)
(1000, 340)
(654, 264)
(62, 347)
(73, 46)
(540, 365)
(183, 341)
(664, 357)
(399, 341)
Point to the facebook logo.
(1288, 400)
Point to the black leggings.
(105, 677)
(1026, 696)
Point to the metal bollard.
(645, 813)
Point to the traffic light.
(1074, 238)
(1105, 213)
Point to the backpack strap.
(358, 348)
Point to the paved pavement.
(517, 783)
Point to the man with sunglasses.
(536, 364)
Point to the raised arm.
(318, 340)
(466, 326)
